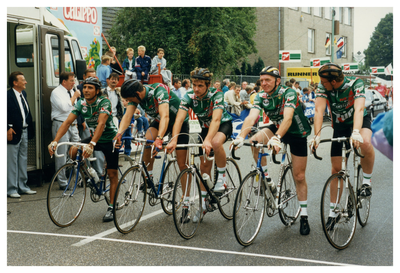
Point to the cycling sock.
(203, 197)
(367, 178)
(303, 206)
(151, 173)
(331, 212)
(186, 200)
(221, 173)
(265, 170)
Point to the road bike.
(64, 204)
(188, 212)
(255, 197)
(340, 203)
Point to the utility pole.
(333, 34)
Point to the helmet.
(201, 74)
(326, 71)
(94, 81)
(270, 70)
(130, 88)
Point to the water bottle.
(207, 179)
(93, 173)
(271, 185)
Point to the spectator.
(128, 65)
(292, 81)
(287, 83)
(298, 89)
(103, 70)
(245, 97)
(19, 129)
(159, 58)
(185, 87)
(244, 85)
(111, 93)
(128, 132)
(232, 98)
(62, 100)
(217, 85)
(254, 93)
(382, 90)
(142, 121)
(142, 65)
(114, 66)
(225, 84)
(176, 85)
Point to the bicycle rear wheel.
(338, 212)
(363, 202)
(187, 203)
(249, 208)
(124, 163)
(130, 200)
(289, 209)
(169, 177)
(227, 200)
(65, 206)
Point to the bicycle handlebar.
(80, 144)
(338, 139)
(194, 145)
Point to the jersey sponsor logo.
(195, 103)
(289, 98)
(84, 109)
(343, 117)
(263, 95)
(266, 102)
(217, 101)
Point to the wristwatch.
(93, 143)
(159, 137)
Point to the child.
(142, 65)
(129, 65)
(103, 70)
(159, 58)
(128, 132)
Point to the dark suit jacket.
(14, 117)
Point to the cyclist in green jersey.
(208, 104)
(161, 104)
(96, 110)
(289, 125)
(346, 99)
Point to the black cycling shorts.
(182, 138)
(298, 145)
(225, 128)
(107, 149)
(336, 147)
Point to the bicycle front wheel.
(227, 200)
(249, 208)
(289, 206)
(169, 177)
(65, 205)
(338, 212)
(124, 163)
(130, 199)
(363, 202)
(187, 203)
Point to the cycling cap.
(92, 80)
(270, 70)
(327, 72)
(201, 74)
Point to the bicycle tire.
(130, 200)
(289, 209)
(124, 163)
(185, 210)
(363, 203)
(169, 177)
(340, 231)
(64, 207)
(249, 208)
(226, 203)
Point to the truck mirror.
(80, 69)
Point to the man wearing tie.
(62, 100)
(19, 122)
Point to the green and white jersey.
(91, 112)
(204, 107)
(157, 94)
(275, 104)
(342, 100)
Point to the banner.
(318, 62)
(389, 70)
(288, 56)
(377, 70)
(350, 67)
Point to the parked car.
(375, 103)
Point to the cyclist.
(349, 118)
(161, 104)
(208, 104)
(96, 110)
(289, 125)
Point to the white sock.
(367, 178)
(221, 173)
(203, 197)
(303, 206)
(331, 212)
(265, 170)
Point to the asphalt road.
(33, 240)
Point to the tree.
(216, 38)
(380, 48)
(258, 66)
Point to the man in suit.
(19, 122)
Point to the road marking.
(112, 230)
(185, 248)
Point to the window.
(344, 47)
(339, 15)
(24, 46)
(306, 10)
(328, 13)
(328, 49)
(68, 64)
(347, 16)
(318, 12)
(77, 52)
(311, 39)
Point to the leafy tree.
(380, 48)
(258, 66)
(216, 38)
